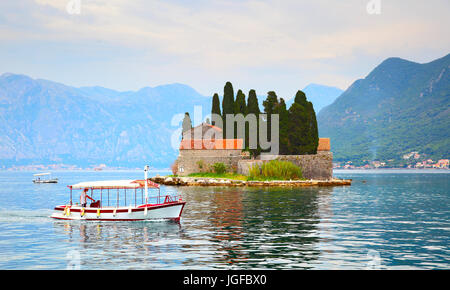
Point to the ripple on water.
(392, 221)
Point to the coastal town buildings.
(412, 160)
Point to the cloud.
(216, 39)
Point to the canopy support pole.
(146, 185)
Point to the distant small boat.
(44, 178)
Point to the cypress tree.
(283, 113)
(252, 103)
(303, 134)
(187, 124)
(239, 108)
(239, 105)
(297, 129)
(253, 108)
(269, 107)
(227, 105)
(300, 98)
(313, 133)
(270, 102)
(215, 109)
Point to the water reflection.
(258, 228)
(135, 245)
(402, 217)
(244, 228)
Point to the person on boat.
(83, 197)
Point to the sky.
(280, 45)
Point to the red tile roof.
(205, 144)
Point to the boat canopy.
(114, 184)
(41, 174)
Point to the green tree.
(239, 108)
(313, 132)
(269, 107)
(227, 105)
(253, 108)
(187, 124)
(283, 113)
(300, 98)
(215, 110)
(252, 103)
(297, 135)
(303, 135)
(239, 105)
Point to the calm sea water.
(386, 219)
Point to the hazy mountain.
(320, 95)
(47, 122)
(401, 106)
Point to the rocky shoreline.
(208, 181)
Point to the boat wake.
(25, 216)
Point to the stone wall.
(193, 160)
(317, 166)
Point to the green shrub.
(254, 171)
(219, 168)
(227, 175)
(200, 164)
(275, 170)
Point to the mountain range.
(320, 95)
(399, 107)
(45, 122)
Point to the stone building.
(203, 146)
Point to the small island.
(210, 181)
(211, 156)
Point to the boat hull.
(45, 181)
(171, 211)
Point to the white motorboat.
(44, 178)
(136, 208)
